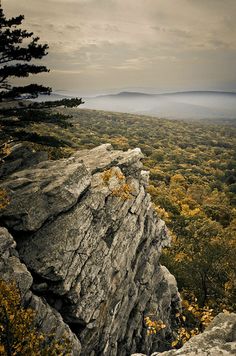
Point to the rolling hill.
(179, 105)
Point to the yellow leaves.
(106, 175)
(174, 343)
(110, 173)
(177, 178)
(152, 190)
(120, 141)
(153, 326)
(185, 303)
(151, 331)
(192, 319)
(185, 210)
(4, 200)
(123, 190)
(162, 213)
(204, 315)
(18, 322)
(5, 150)
(2, 349)
(194, 332)
(181, 256)
(183, 335)
(229, 285)
(178, 194)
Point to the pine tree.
(18, 47)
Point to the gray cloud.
(135, 43)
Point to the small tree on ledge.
(17, 49)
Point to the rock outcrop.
(219, 339)
(47, 318)
(89, 244)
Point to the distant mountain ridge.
(175, 105)
(135, 93)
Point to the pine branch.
(30, 91)
(20, 70)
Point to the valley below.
(123, 187)
(188, 105)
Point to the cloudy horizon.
(153, 45)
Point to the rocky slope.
(84, 248)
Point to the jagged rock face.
(10, 265)
(47, 318)
(86, 229)
(37, 194)
(219, 339)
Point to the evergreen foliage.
(18, 47)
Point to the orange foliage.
(18, 334)
(4, 200)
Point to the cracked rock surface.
(86, 230)
(46, 318)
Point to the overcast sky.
(105, 45)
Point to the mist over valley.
(179, 105)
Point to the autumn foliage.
(190, 321)
(4, 200)
(18, 333)
(122, 189)
(153, 326)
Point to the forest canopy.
(192, 183)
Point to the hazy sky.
(100, 45)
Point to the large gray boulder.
(86, 229)
(39, 193)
